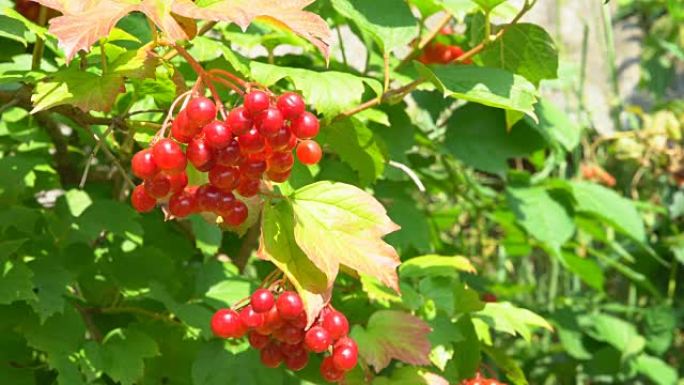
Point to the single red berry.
(256, 101)
(273, 319)
(225, 178)
(201, 111)
(239, 121)
(230, 155)
(345, 357)
(281, 140)
(290, 350)
(262, 300)
(158, 186)
(142, 201)
(280, 162)
(271, 356)
(291, 334)
(297, 361)
(257, 341)
(237, 214)
(306, 126)
(224, 203)
(217, 134)
(252, 168)
(336, 324)
(248, 187)
(208, 197)
(329, 372)
(317, 339)
(278, 177)
(182, 204)
(251, 142)
(489, 297)
(455, 51)
(199, 153)
(346, 341)
(169, 156)
(291, 105)
(269, 121)
(300, 321)
(289, 305)
(178, 181)
(143, 164)
(250, 318)
(181, 129)
(226, 324)
(309, 152)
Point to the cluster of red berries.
(480, 380)
(255, 140)
(438, 53)
(277, 328)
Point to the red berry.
(271, 356)
(237, 214)
(301, 321)
(158, 186)
(280, 162)
(317, 339)
(248, 187)
(329, 372)
(201, 111)
(142, 201)
(306, 126)
(178, 181)
(250, 318)
(273, 319)
(208, 197)
(345, 357)
(182, 204)
(269, 121)
(225, 178)
(230, 155)
(291, 334)
(281, 140)
(251, 142)
(346, 341)
(217, 134)
(199, 153)
(262, 300)
(291, 105)
(289, 305)
(169, 156)
(182, 129)
(297, 361)
(226, 324)
(256, 101)
(258, 341)
(253, 168)
(309, 152)
(336, 324)
(239, 121)
(278, 177)
(224, 203)
(143, 164)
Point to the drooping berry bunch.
(276, 326)
(479, 379)
(439, 53)
(255, 141)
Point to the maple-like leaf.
(391, 335)
(340, 224)
(84, 22)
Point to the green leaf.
(78, 201)
(278, 245)
(393, 335)
(656, 369)
(329, 92)
(121, 354)
(357, 146)
(488, 5)
(352, 224)
(389, 22)
(16, 284)
(9, 247)
(618, 333)
(467, 357)
(477, 136)
(492, 87)
(608, 205)
(555, 125)
(116, 217)
(13, 29)
(378, 292)
(507, 318)
(541, 216)
(207, 235)
(586, 269)
(525, 49)
(409, 375)
(513, 371)
(215, 365)
(50, 281)
(435, 266)
(660, 326)
(415, 228)
(440, 291)
(466, 299)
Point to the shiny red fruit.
(269, 121)
(289, 305)
(230, 155)
(226, 323)
(239, 121)
(182, 204)
(291, 334)
(329, 372)
(199, 153)
(251, 142)
(271, 356)
(143, 164)
(273, 319)
(224, 203)
(169, 156)
(250, 318)
(201, 111)
(281, 140)
(256, 101)
(142, 201)
(309, 152)
(253, 168)
(225, 178)
(280, 162)
(208, 197)
(291, 105)
(217, 134)
(262, 300)
(182, 129)
(305, 126)
(300, 321)
(278, 177)
(345, 357)
(257, 341)
(336, 324)
(158, 186)
(237, 214)
(178, 181)
(248, 187)
(297, 361)
(317, 339)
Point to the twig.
(93, 153)
(342, 49)
(425, 40)
(248, 244)
(162, 131)
(135, 310)
(386, 62)
(411, 174)
(39, 46)
(204, 76)
(111, 157)
(229, 75)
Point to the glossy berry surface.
(345, 357)
(291, 105)
(309, 152)
(169, 156)
(239, 121)
(250, 318)
(297, 360)
(280, 162)
(271, 357)
(217, 134)
(225, 178)
(208, 197)
(257, 341)
(237, 214)
(199, 153)
(182, 204)
(158, 186)
(329, 372)
(230, 155)
(262, 300)
(143, 164)
(289, 305)
(269, 121)
(226, 323)
(305, 126)
(251, 142)
(281, 140)
(201, 111)
(142, 201)
(336, 324)
(256, 101)
(178, 181)
(317, 339)
(248, 187)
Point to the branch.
(425, 41)
(248, 244)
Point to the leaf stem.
(39, 46)
(204, 76)
(103, 56)
(342, 49)
(386, 62)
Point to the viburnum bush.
(308, 192)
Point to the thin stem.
(153, 30)
(426, 40)
(386, 62)
(92, 156)
(206, 78)
(39, 46)
(232, 77)
(342, 49)
(411, 174)
(103, 56)
(488, 27)
(228, 84)
(169, 115)
(111, 157)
